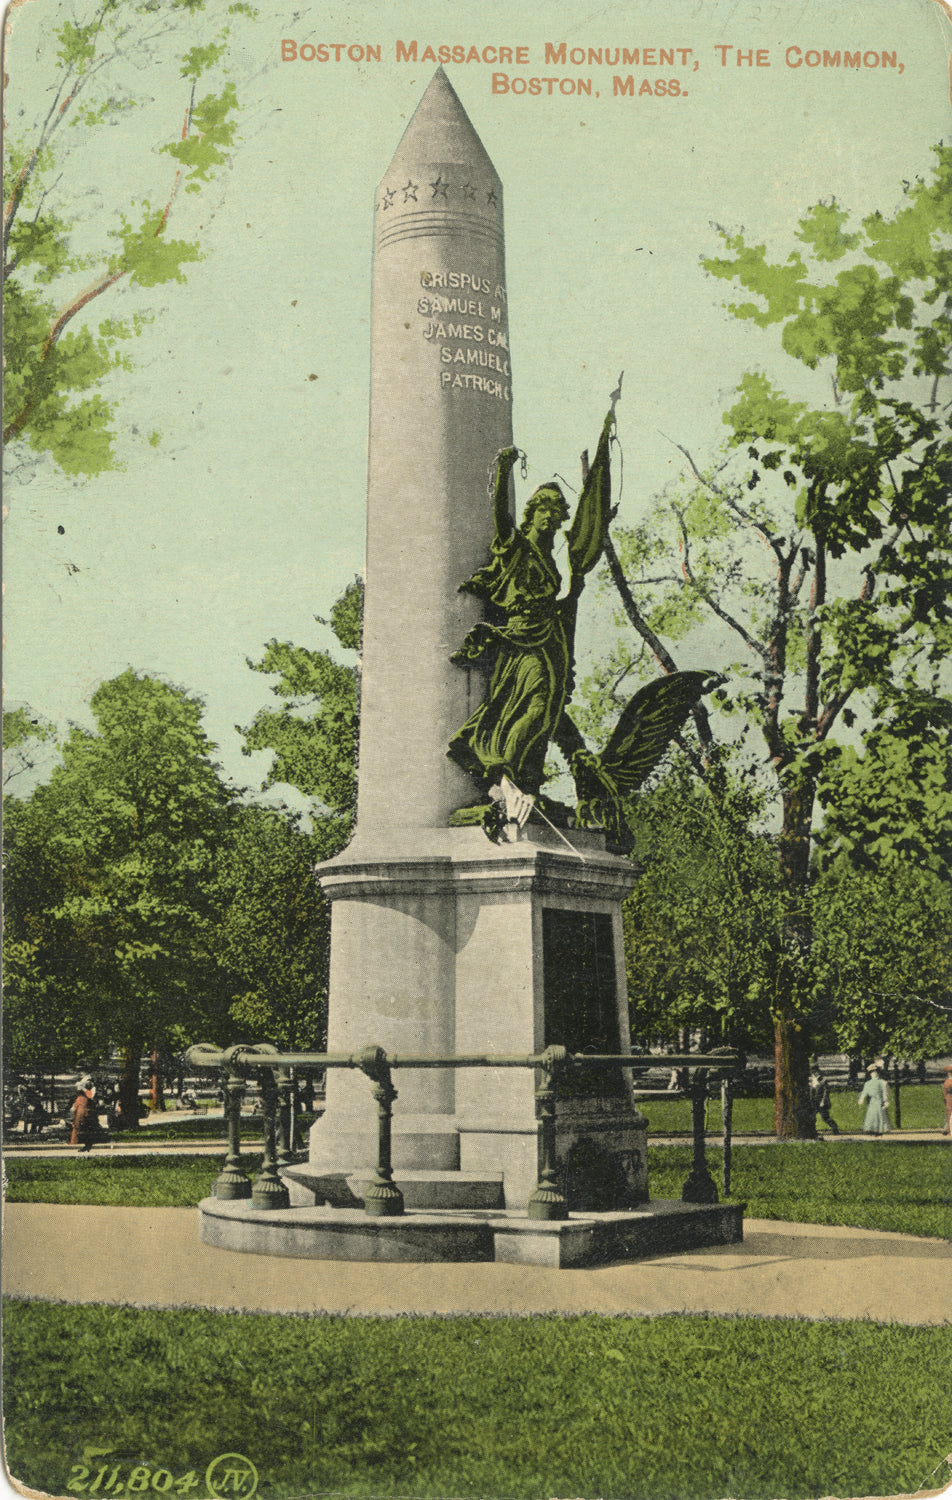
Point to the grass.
(921, 1106)
(147, 1180)
(860, 1184)
(477, 1406)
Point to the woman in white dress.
(875, 1096)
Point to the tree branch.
(23, 416)
(654, 642)
(55, 117)
(57, 112)
(829, 714)
(797, 584)
(811, 697)
(69, 312)
(712, 604)
(723, 494)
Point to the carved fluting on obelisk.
(440, 410)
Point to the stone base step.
(663, 1227)
(422, 1188)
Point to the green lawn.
(921, 1106)
(520, 1407)
(863, 1184)
(146, 1180)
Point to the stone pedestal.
(445, 942)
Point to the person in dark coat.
(85, 1116)
(820, 1099)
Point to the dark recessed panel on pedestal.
(581, 1000)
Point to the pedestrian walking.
(820, 1099)
(85, 1116)
(947, 1099)
(875, 1096)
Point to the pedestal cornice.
(463, 861)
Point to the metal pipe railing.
(382, 1197)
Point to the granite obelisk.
(442, 941)
(440, 409)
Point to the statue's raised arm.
(505, 462)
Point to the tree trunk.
(794, 1118)
(156, 1088)
(128, 1113)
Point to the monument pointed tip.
(440, 130)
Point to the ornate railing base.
(546, 1204)
(231, 1184)
(383, 1200)
(699, 1187)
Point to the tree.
(24, 734)
(704, 919)
(314, 734)
(47, 1021)
(274, 936)
(61, 342)
(889, 809)
(882, 950)
(825, 551)
(113, 899)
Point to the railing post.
(700, 1186)
(232, 1181)
(545, 1200)
(284, 1117)
(382, 1197)
(268, 1190)
(727, 1113)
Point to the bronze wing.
(647, 725)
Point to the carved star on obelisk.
(491, 196)
(469, 192)
(439, 188)
(410, 191)
(388, 197)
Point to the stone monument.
(471, 915)
(442, 939)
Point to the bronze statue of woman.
(527, 641)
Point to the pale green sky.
(248, 519)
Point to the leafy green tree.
(890, 806)
(705, 918)
(820, 545)
(62, 339)
(113, 897)
(274, 937)
(882, 952)
(25, 734)
(48, 1019)
(314, 733)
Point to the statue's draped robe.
(529, 639)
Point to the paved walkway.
(22, 1145)
(154, 1257)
